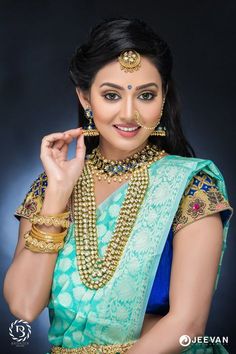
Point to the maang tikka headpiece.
(129, 60)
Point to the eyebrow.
(122, 88)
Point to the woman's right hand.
(59, 170)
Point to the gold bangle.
(41, 241)
(41, 248)
(64, 215)
(30, 236)
(47, 239)
(37, 240)
(46, 233)
(51, 220)
(35, 245)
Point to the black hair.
(105, 42)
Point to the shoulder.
(201, 198)
(39, 185)
(177, 163)
(33, 200)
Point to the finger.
(64, 151)
(74, 132)
(80, 147)
(48, 140)
(67, 139)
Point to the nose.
(127, 110)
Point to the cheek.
(104, 112)
(150, 112)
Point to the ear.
(83, 97)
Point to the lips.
(126, 133)
(126, 126)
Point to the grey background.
(38, 39)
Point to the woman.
(124, 242)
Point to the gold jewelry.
(35, 245)
(54, 236)
(129, 60)
(119, 170)
(137, 118)
(39, 241)
(90, 130)
(96, 271)
(161, 131)
(51, 220)
(95, 349)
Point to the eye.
(111, 95)
(147, 95)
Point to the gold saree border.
(94, 349)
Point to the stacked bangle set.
(40, 241)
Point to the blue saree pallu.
(112, 316)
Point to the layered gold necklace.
(119, 170)
(95, 270)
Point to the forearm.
(163, 338)
(28, 281)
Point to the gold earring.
(90, 130)
(160, 131)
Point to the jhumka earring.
(90, 130)
(161, 130)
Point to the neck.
(112, 153)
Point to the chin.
(128, 146)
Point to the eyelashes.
(112, 94)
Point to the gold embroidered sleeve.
(201, 198)
(34, 198)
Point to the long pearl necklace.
(95, 271)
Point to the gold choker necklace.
(119, 170)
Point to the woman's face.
(113, 102)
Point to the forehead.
(112, 72)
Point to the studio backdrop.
(38, 39)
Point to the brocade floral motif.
(201, 198)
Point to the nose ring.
(137, 117)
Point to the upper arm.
(196, 255)
(31, 204)
(197, 248)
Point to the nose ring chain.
(137, 116)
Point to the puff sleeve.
(200, 199)
(33, 201)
